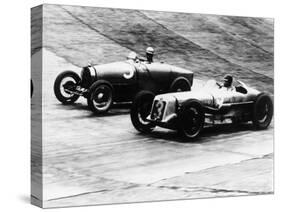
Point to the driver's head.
(132, 56)
(227, 80)
(149, 54)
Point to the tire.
(262, 111)
(140, 110)
(180, 84)
(100, 97)
(62, 95)
(191, 119)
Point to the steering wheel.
(219, 85)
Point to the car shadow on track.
(208, 134)
(74, 106)
(116, 109)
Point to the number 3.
(129, 75)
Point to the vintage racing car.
(120, 82)
(188, 112)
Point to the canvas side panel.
(36, 106)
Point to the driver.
(149, 54)
(132, 56)
(227, 84)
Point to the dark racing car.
(117, 82)
(189, 112)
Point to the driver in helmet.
(149, 54)
(227, 83)
(132, 56)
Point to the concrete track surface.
(90, 159)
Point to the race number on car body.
(92, 69)
(129, 75)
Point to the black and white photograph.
(131, 105)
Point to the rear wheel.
(100, 97)
(141, 108)
(191, 119)
(65, 82)
(262, 112)
(179, 85)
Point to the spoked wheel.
(179, 85)
(262, 111)
(64, 84)
(140, 110)
(192, 119)
(100, 97)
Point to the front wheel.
(64, 83)
(262, 112)
(191, 119)
(140, 110)
(100, 97)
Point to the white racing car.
(189, 111)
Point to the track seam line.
(200, 47)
